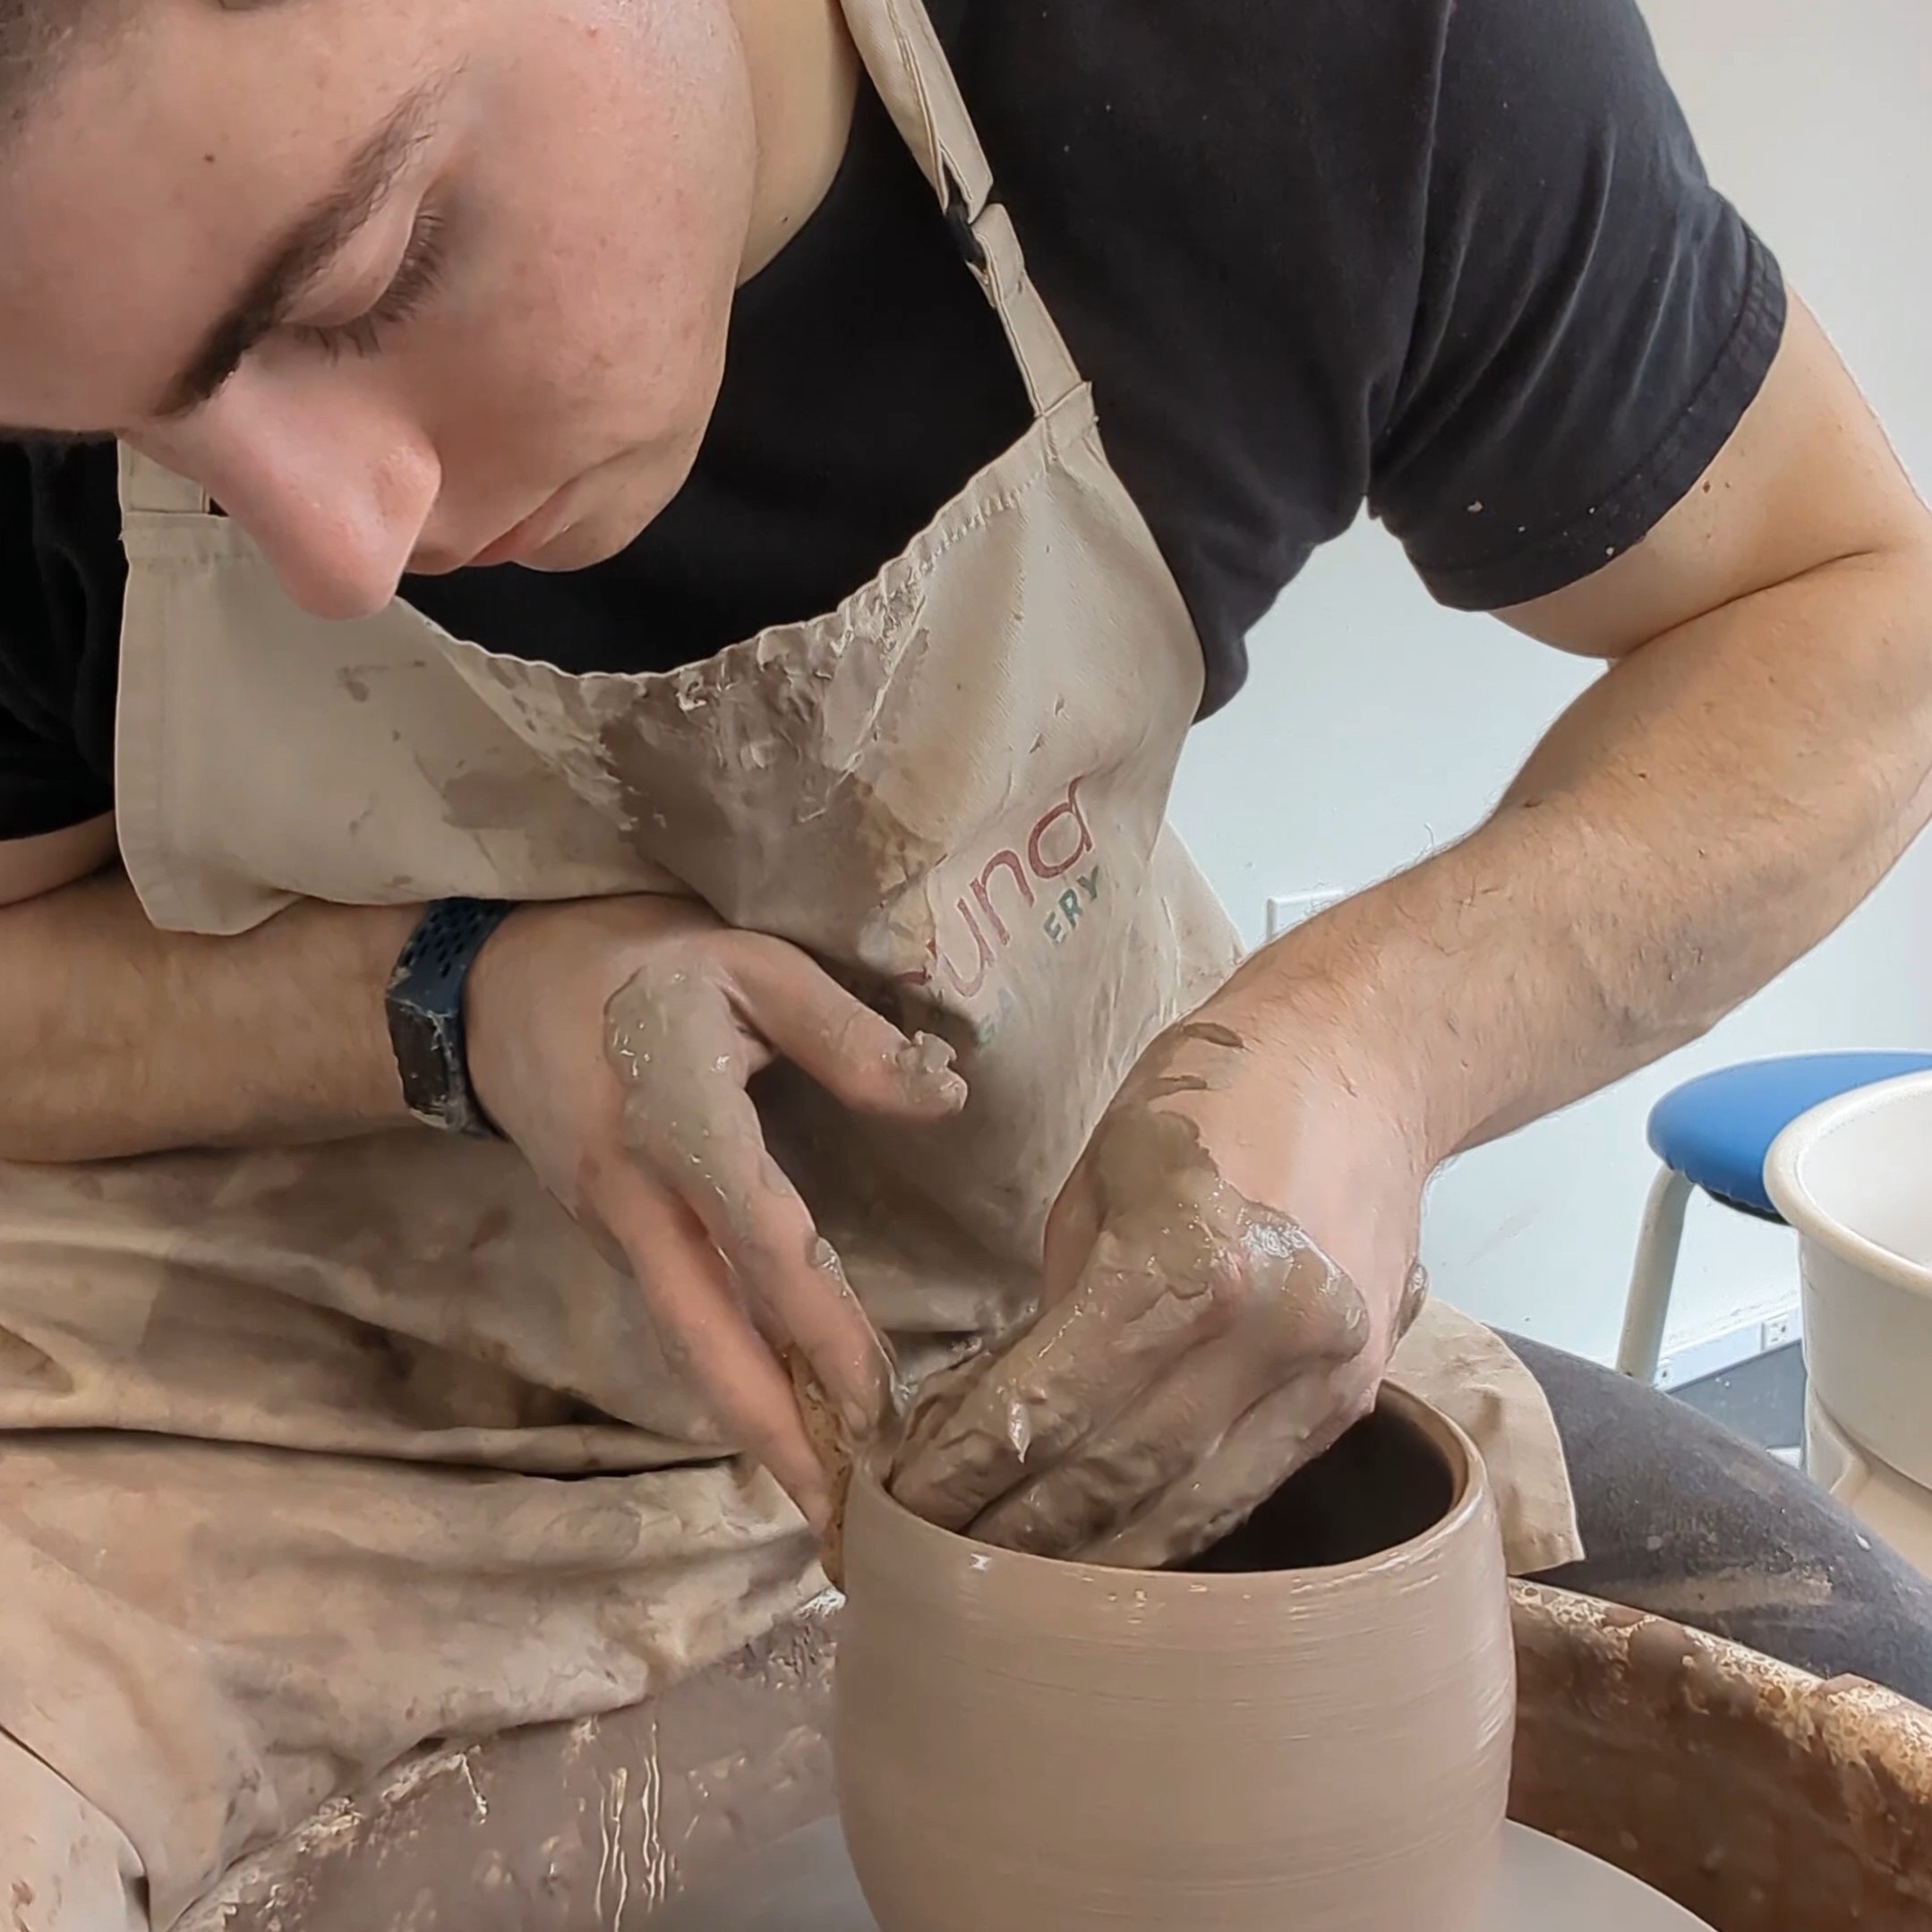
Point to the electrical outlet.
(1292, 909)
(1692, 1362)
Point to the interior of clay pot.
(1392, 1478)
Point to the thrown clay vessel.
(1240, 1746)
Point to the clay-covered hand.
(1226, 1275)
(613, 1041)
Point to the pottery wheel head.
(805, 1884)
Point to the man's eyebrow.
(306, 250)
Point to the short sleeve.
(61, 579)
(1593, 318)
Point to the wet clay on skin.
(1192, 1367)
(674, 1038)
(832, 1444)
(1045, 1747)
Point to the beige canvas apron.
(372, 1445)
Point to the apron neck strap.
(145, 485)
(909, 67)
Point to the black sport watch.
(424, 1003)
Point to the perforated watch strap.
(424, 1006)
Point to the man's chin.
(608, 507)
(577, 546)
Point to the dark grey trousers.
(1681, 1517)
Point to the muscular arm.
(120, 1039)
(1757, 755)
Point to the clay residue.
(685, 1036)
(539, 1828)
(1414, 1298)
(926, 1067)
(670, 1037)
(832, 1444)
(1755, 1796)
(1197, 1362)
(673, 1037)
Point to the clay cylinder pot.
(1044, 1746)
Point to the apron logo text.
(1069, 906)
(1008, 891)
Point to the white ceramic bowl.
(1854, 1177)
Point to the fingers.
(1076, 1366)
(1156, 1443)
(682, 1038)
(706, 1331)
(1112, 1397)
(856, 1055)
(1283, 1432)
(697, 1129)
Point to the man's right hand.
(613, 1041)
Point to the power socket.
(1289, 909)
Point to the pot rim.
(1470, 1495)
(1790, 1192)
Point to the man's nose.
(334, 488)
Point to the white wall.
(1813, 115)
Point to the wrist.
(333, 1070)
(425, 1005)
(1313, 1119)
(513, 973)
(1340, 1008)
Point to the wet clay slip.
(1046, 1747)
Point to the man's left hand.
(1226, 1274)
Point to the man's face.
(511, 358)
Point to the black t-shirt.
(1455, 259)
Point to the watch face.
(424, 1005)
(428, 1061)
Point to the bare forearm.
(1708, 811)
(120, 1039)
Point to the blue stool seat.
(1716, 1131)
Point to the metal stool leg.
(1652, 1275)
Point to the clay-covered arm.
(1755, 758)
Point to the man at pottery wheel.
(590, 666)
